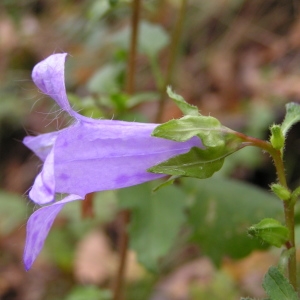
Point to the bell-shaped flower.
(88, 156)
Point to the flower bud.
(281, 192)
(277, 138)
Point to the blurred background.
(237, 60)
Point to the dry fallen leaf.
(95, 260)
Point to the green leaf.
(270, 231)
(221, 211)
(155, 220)
(89, 292)
(197, 163)
(113, 2)
(209, 129)
(105, 81)
(60, 247)
(292, 117)
(152, 38)
(139, 98)
(186, 108)
(13, 213)
(277, 286)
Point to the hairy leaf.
(221, 211)
(155, 220)
(292, 117)
(270, 231)
(277, 286)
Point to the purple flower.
(88, 156)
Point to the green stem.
(289, 212)
(173, 49)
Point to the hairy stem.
(173, 49)
(288, 205)
(130, 88)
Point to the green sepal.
(292, 117)
(168, 182)
(186, 108)
(277, 286)
(218, 141)
(281, 192)
(277, 138)
(270, 231)
(197, 163)
(208, 129)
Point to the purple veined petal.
(90, 157)
(43, 189)
(38, 227)
(42, 144)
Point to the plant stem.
(131, 66)
(288, 205)
(130, 88)
(87, 208)
(123, 246)
(173, 49)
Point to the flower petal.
(49, 77)
(42, 144)
(93, 157)
(38, 227)
(43, 189)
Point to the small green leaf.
(106, 80)
(292, 117)
(155, 220)
(89, 292)
(13, 213)
(113, 2)
(186, 108)
(152, 38)
(139, 98)
(277, 286)
(270, 231)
